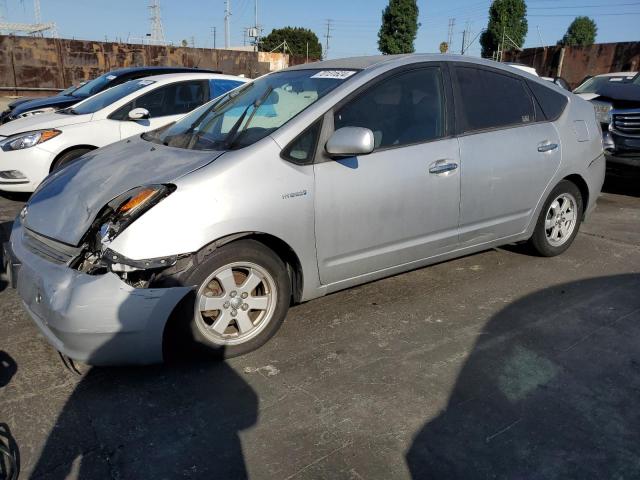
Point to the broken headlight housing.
(120, 212)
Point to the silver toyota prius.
(301, 183)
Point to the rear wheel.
(559, 220)
(68, 157)
(242, 297)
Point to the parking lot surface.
(496, 365)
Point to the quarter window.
(404, 109)
(492, 100)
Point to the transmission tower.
(38, 28)
(157, 32)
(452, 22)
(327, 36)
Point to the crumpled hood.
(65, 205)
(56, 101)
(41, 121)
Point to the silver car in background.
(304, 182)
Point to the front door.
(400, 203)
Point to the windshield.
(94, 86)
(251, 112)
(106, 98)
(595, 83)
(68, 91)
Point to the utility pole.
(327, 36)
(464, 41)
(227, 16)
(213, 30)
(540, 36)
(452, 22)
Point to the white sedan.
(32, 147)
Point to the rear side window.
(220, 87)
(405, 109)
(492, 100)
(552, 103)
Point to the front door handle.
(442, 166)
(547, 147)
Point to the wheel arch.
(67, 150)
(579, 182)
(275, 244)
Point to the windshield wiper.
(234, 133)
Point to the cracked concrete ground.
(496, 365)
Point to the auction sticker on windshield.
(334, 74)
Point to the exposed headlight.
(31, 113)
(603, 111)
(124, 209)
(28, 140)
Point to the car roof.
(374, 61)
(126, 70)
(617, 74)
(172, 77)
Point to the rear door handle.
(442, 166)
(547, 147)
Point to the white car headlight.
(30, 113)
(21, 141)
(603, 111)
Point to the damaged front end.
(97, 258)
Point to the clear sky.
(355, 23)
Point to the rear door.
(509, 153)
(165, 104)
(398, 204)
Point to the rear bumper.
(97, 319)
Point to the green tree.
(508, 17)
(399, 27)
(444, 47)
(296, 38)
(582, 31)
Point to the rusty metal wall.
(578, 62)
(31, 62)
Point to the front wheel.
(242, 297)
(559, 220)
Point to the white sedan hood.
(41, 122)
(67, 202)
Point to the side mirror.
(350, 141)
(138, 114)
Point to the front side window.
(106, 98)
(491, 100)
(404, 109)
(250, 113)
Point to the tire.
(559, 222)
(68, 157)
(246, 260)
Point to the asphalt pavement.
(495, 365)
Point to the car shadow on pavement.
(550, 390)
(622, 181)
(8, 368)
(181, 420)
